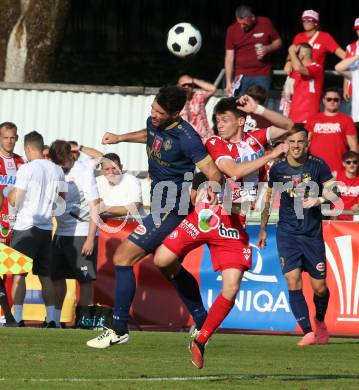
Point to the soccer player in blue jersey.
(306, 183)
(174, 149)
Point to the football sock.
(124, 294)
(188, 290)
(4, 303)
(300, 310)
(216, 314)
(18, 312)
(57, 317)
(50, 313)
(321, 305)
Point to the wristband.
(259, 110)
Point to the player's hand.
(288, 68)
(293, 49)
(262, 239)
(110, 138)
(310, 202)
(246, 104)
(346, 95)
(280, 149)
(87, 247)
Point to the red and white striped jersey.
(251, 147)
(8, 168)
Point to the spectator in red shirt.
(194, 111)
(348, 185)
(308, 83)
(249, 42)
(331, 132)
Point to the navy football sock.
(188, 290)
(4, 303)
(300, 310)
(321, 305)
(124, 294)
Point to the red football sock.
(216, 314)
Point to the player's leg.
(18, 292)
(4, 303)
(168, 258)
(231, 279)
(321, 299)
(60, 289)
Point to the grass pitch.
(59, 359)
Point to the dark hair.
(350, 154)
(307, 47)
(244, 10)
(8, 125)
(214, 126)
(171, 98)
(228, 104)
(331, 89)
(257, 92)
(73, 143)
(35, 139)
(112, 157)
(297, 128)
(60, 152)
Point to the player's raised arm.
(281, 124)
(139, 137)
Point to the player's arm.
(208, 88)
(120, 211)
(139, 137)
(342, 67)
(281, 124)
(92, 152)
(228, 69)
(295, 61)
(262, 237)
(1, 198)
(346, 94)
(210, 169)
(16, 196)
(339, 52)
(88, 245)
(239, 170)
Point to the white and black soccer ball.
(184, 39)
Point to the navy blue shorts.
(302, 252)
(151, 233)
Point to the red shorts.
(224, 234)
(5, 235)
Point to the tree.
(30, 31)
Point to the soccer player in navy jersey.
(306, 183)
(174, 149)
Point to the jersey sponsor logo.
(327, 128)
(228, 232)
(250, 157)
(340, 254)
(141, 230)
(189, 228)
(316, 46)
(207, 220)
(258, 35)
(7, 180)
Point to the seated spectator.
(348, 185)
(194, 110)
(120, 192)
(331, 132)
(254, 121)
(74, 246)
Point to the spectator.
(349, 68)
(9, 164)
(254, 121)
(194, 111)
(35, 195)
(348, 185)
(45, 152)
(308, 83)
(74, 247)
(331, 132)
(120, 192)
(351, 50)
(249, 42)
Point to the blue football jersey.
(297, 180)
(172, 153)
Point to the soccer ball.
(184, 40)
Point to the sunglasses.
(308, 20)
(187, 85)
(349, 162)
(335, 100)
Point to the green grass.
(59, 359)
